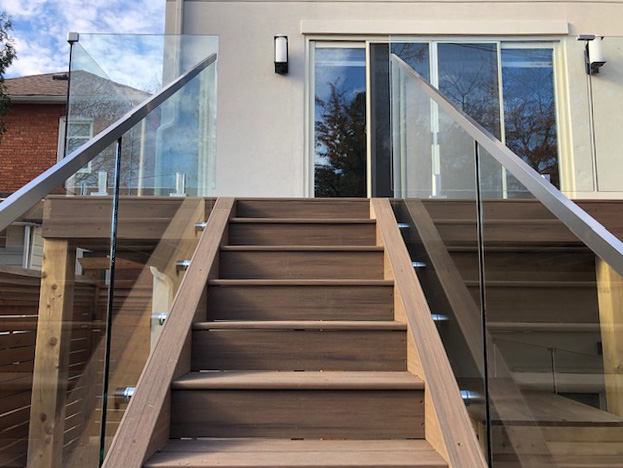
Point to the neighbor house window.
(79, 132)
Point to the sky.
(40, 27)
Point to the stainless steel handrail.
(584, 226)
(30, 194)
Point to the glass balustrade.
(522, 283)
(88, 273)
(166, 156)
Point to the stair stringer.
(468, 318)
(144, 428)
(447, 426)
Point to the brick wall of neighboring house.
(30, 144)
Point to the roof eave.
(37, 99)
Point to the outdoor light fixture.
(281, 54)
(593, 53)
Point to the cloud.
(40, 27)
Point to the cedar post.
(49, 392)
(610, 295)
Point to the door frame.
(346, 42)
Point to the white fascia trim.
(38, 99)
(454, 28)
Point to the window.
(507, 87)
(79, 132)
(340, 144)
(530, 108)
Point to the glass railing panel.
(157, 227)
(537, 98)
(77, 334)
(52, 316)
(549, 317)
(435, 184)
(104, 86)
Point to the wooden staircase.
(300, 362)
(306, 356)
(543, 323)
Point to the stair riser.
(301, 265)
(320, 209)
(526, 234)
(595, 433)
(540, 304)
(298, 414)
(300, 303)
(493, 209)
(310, 350)
(301, 234)
(529, 352)
(528, 266)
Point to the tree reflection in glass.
(340, 123)
(530, 110)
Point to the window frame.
(62, 129)
(554, 42)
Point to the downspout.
(169, 113)
(179, 16)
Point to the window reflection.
(530, 110)
(472, 75)
(468, 76)
(340, 122)
(416, 55)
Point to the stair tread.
(301, 325)
(301, 248)
(520, 248)
(299, 282)
(280, 453)
(302, 221)
(519, 326)
(533, 284)
(548, 409)
(309, 380)
(520, 222)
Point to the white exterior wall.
(261, 115)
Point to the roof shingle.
(37, 85)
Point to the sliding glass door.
(506, 87)
(530, 128)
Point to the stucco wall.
(261, 125)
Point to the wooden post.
(610, 295)
(49, 392)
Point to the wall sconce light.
(593, 53)
(281, 54)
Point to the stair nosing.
(301, 248)
(301, 221)
(270, 452)
(510, 221)
(533, 284)
(356, 325)
(300, 381)
(521, 249)
(299, 282)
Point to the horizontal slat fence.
(19, 302)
